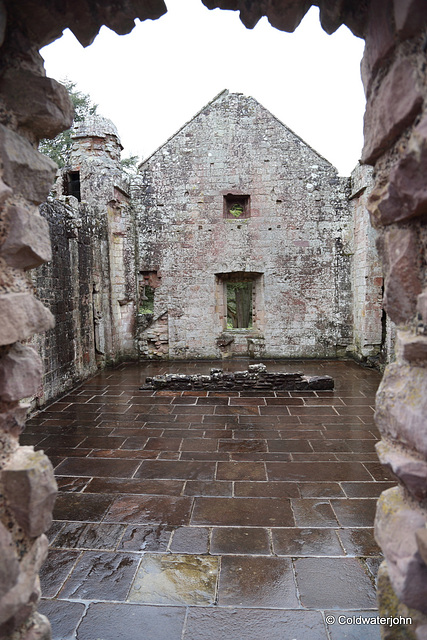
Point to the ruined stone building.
(117, 276)
(234, 209)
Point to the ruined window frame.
(72, 184)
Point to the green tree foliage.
(130, 164)
(59, 148)
(239, 305)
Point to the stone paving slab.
(274, 494)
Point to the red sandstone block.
(379, 39)
(405, 195)
(390, 110)
(410, 17)
(401, 254)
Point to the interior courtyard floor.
(225, 515)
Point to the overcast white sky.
(150, 82)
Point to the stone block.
(5, 192)
(390, 607)
(17, 598)
(30, 489)
(379, 39)
(396, 522)
(50, 110)
(410, 17)
(409, 469)
(401, 406)
(21, 370)
(412, 348)
(27, 244)
(9, 565)
(12, 422)
(25, 170)
(401, 255)
(422, 306)
(405, 195)
(421, 538)
(23, 315)
(38, 628)
(390, 110)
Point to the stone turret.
(95, 136)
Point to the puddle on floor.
(175, 579)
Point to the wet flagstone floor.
(211, 515)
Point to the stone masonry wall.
(31, 107)
(299, 263)
(369, 321)
(89, 285)
(394, 72)
(395, 128)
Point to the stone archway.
(33, 106)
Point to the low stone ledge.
(257, 378)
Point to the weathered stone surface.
(421, 537)
(20, 595)
(379, 39)
(9, 565)
(234, 148)
(405, 194)
(390, 607)
(283, 15)
(47, 21)
(287, 14)
(401, 255)
(390, 109)
(25, 170)
(50, 110)
(37, 628)
(412, 348)
(21, 369)
(410, 17)
(30, 489)
(22, 316)
(256, 378)
(5, 192)
(409, 469)
(395, 525)
(27, 244)
(401, 406)
(12, 420)
(422, 306)
(3, 21)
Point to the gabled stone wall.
(293, 243)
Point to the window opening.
(148, 282)
(239, 305)
(236, 207)
(147, 299)
(72, 184)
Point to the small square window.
(236, 207)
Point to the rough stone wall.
(89, 285)
(67, 350)
(27, 485)
(31, 107)
(370, 331)
(295, 245)
(394, 75)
